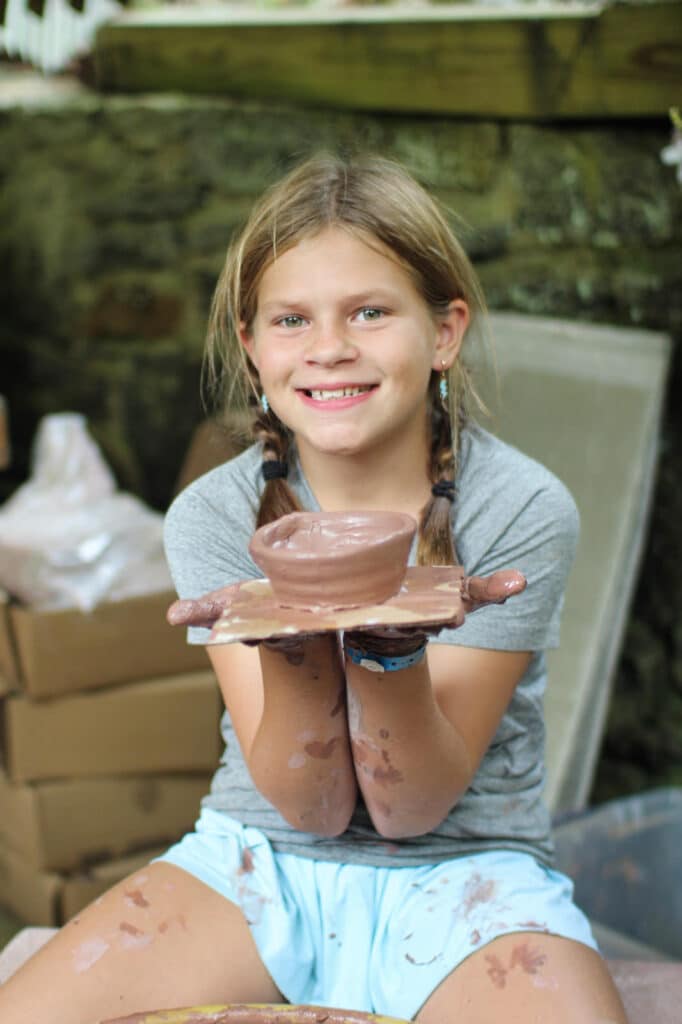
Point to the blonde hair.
(374, 197)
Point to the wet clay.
(266, 1013)
(330, 571)
(428, 595)
(334, 559)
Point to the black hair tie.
(273, 469)
(444, 489)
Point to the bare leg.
(159, 939)
(527, 977)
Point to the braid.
(435, 544)
(278, 499)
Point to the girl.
(373, 841)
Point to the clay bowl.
(334, 559)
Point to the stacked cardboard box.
(109, 735)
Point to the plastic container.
(625, 858)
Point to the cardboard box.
(82, 888)
(61, 826)
(51, 653)
(161, 725)
(65, 651)
(47, 898)
(28, 893)
(212, 443)
(9, 672)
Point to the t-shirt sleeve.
(537, 535)
(206, 535)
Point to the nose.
(329, 344)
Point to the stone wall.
(114, 218)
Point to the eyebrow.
(366, 298)
(278, 304)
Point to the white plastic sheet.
(68, 538)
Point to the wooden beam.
(557, 60)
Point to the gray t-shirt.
(510, 512)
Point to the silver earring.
(443, 385)
(264, 404)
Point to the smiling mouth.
(332, 393)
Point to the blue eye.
(291, 320)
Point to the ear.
(246, 338)
(450, 331)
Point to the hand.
(202, 611)
(390, 641)
(206, 610)
(292, 647)
(477, 592)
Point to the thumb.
(478, 591)
(202, 611)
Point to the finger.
(201, 612)
(279, 642)
(389, 632)
(395, 630)
(478, 591)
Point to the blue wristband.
(380, 663)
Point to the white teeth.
(324, 396)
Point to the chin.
(336, 445)
(342, 450)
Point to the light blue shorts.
(368, 938)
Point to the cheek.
(274, 365)
(269, 362)
(248, 344)
(414, 373)
(254, 349)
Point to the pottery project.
(334, 559)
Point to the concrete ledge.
(586, 401)
(652, 993)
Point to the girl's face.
(344, 345)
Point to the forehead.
(335, 255)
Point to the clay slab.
(429, 595)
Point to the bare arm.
(418, 734)
(289, 714)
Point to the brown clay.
(430, 594)
(334, 559)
